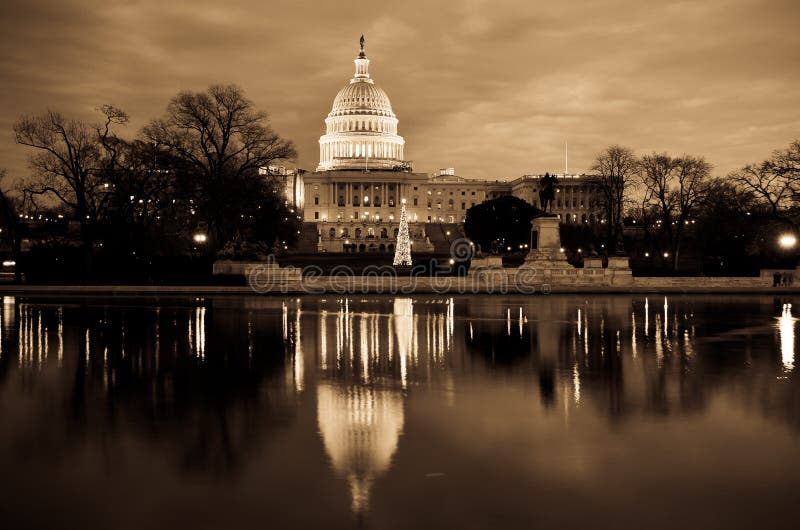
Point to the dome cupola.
(361, 129)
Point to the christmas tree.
(402, 252)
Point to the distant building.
(354, 197)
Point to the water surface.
(470, 412)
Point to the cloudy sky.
(491, 87)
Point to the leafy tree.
(505, 220)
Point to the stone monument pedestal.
(545, 258)
(546, 244)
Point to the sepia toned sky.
(491, 87)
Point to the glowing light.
(787, 241)
(402, 252)
(786, 331)
(200, 238)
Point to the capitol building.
(352, 202)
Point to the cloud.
(492, 88)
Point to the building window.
(463, 206)
(450, 204)
(316, 215)
(416, 201)
(316, 200)
(377, 201)
(473, 193)
(356, 200)
(463, 193)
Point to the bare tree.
(786, 162)
(775, 183)
(68, 164)
(140, 189)
(616, 171)
(677, 187)
(219, 141)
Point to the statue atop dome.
(361, 53)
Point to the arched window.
(358, 233)
(332, 232)
(384, 234)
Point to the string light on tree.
(402, 252)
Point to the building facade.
(355, 196)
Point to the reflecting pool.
(553, 411)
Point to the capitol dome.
(361, 98)
(361, 129)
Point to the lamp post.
(199, 239)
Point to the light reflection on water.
(213, 385)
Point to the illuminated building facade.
(354, 196)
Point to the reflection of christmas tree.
(402, 253)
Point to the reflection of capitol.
(368, 358)
(360, 427)
(210, 378)
(373, 346)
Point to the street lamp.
(200, 238)
(787, 241)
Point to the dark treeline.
(670, 213)
(189, 184)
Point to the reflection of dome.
(361, 129)
(360, 427)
